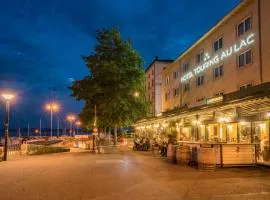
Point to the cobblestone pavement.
(124, 175)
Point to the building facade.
(229, 57)
(218, 90)
(154, 83)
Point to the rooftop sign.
(209, 62)
(214, 100)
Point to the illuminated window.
(218, 72)
(200, 57)
(185, 67)
(245, 58)
(176, 92)
(218, 44)
(187, 87)
(244, 26)
(200, 80)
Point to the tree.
(116, 74)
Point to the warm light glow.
(71, 117)
(164, 125)
(156, 125)
(243, 122)
(196, 122)
(8, 96)
(136, 94)
(185, 130)
(36, 131)
(229, 127)
(52, 107)
(268, 114)
(78, 123)
(262, 126)
(224, 119)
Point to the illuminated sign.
(209, 62)
(214, 100)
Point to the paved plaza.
(124, 175)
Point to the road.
(124, 176)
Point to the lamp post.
(70, 119)
(78, 123)
(52, 107)
(7, 97)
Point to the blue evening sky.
(41, 42)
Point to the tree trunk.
(109, 133)
(98, 140)
(115, 135)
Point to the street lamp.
(78, 123)
(52, 107)
(71, 118)
(136, 94)
(7, 98)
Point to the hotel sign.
(214, 100)
(209, 62)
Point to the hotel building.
(218, 90)
(154, 84)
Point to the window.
(200, 57)
(176, 92)
(167, 81)
(148, 85)
(175, 74)
(219, 94)
(243, 87)
(244, 26)
(185, 67)
(218, 44)
(200, 99)
(167, 96)
(218, 72)
(245, 58)
(186, 87)
(153, 82)
(152, 72)
(200, 80)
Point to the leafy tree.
(115, 83)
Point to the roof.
(158, 60)
(257, 92)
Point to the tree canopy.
(115, 83)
